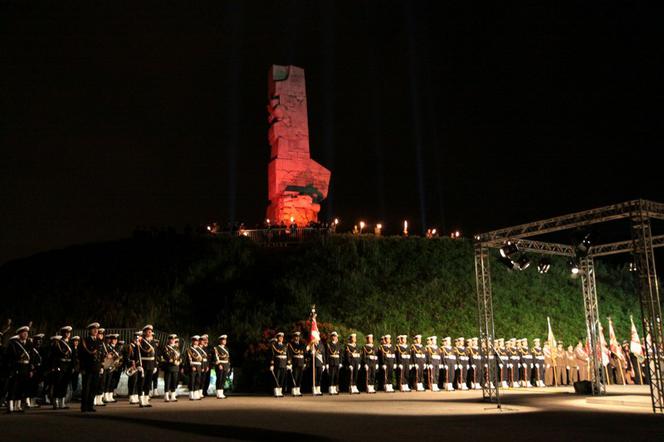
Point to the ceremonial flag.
(314, 334)
(635, 344)
(603, 347)
(551, 338)
(613, 342)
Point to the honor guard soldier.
(490, 360)
(222, 365)
(76, 364)
(334, 364)
(527, 364)
(418, 359)
(296, 349)
(369, 361)
(134, 368)
(386, 360)
(89, 354)
(35, 378)
(449, 363)
(99, 392)
(512, 365)
(433, 363)
(118, 365)
(503, 361)
(194, 361)
(18, 360)
(204, 347)
(538, 362)
(316, 348)
(352, 363)
(111, 367)
(278, 364)
(403, 362)
(148, 352)
(60, 366)
(475, 359)
(461, 373)
(172, 359)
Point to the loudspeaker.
(583, 387)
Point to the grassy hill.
(380, 285)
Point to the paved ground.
(551, 414)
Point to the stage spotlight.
(523, 263)
(632, 266)
(544, 266)
(583, 247)
(574, 267)
(508, 249)
(508, 263)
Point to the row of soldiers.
(416, 366)
(101, 359)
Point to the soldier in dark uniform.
(18, 360)
(433, 363)
(296, 349)
(403, 362)
(461, 375)
(278, 364)
(418, 359)
(475, 371)
(449, 364)
(316, 348)
(103, 350)
(221, 358)
(134, 368)
(352, 363)
(76, 366)
(154, 391)
(90, 367)
(369, 361)
(334, 363)
(527, 364)
(194, 361)
(109, 373)
(386, 362)
(512, 364)
(489, 360)
(117, 371)
(172, 358)
(538, 357)
(204, 346)
(61, 366)
(35, 379)
(148, 353)
(502, 361)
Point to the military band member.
(90, 367)
(403, 362)
(561, 366)
(449, 363)
(334, 364)
(221, 358)
(134, 368)
(433, 363)
(316, 347)
(112, 367)
(278, 364)
(18, 360)
(369, 362)
(103, 350)
(386, 360)
(539, 362)
(527, 365)
(148, 352)
(118, 366)
(503, 361)
(172, 359)
(352, 363)
(204, 347)
(418, 359)
(194, 361)
(296, 349)
(461, 373)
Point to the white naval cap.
(148, 327)
(38, 336)
(334, 334)
(20, 330)
(66, 328)
(388, 336)
(222, 337)
(93, 325)
(56, 338)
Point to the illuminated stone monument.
(296, 183)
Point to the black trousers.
(433, 374)
(353, 371)
(418, 373)
(148, 369)
(280, 374)
(171, 378)
(370, 374)
(221, 372)
(89, 388)
(60, 380)
(385, 375)
(205, 381)
(450, 371)
(19, 381)
(333, 373)
(298, 370)
(194, 379)
(319, 376)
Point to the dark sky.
(448, 113)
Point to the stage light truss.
(641, 245)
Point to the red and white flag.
(614, 344)
(635, 343)
(314, 334)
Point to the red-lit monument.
(296, 183)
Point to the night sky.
(447, 113)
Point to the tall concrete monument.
(296, 183)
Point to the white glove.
(155, 370)
(271, 367)
(384, 367)
(400, 367)
(376, 367)
(341, 365)
(532, 365)
(366, 367)
(289, 367)
(101, 371)
(327, 366)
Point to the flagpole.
(313, 354)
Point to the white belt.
(390, 356)
(281, 356)
(373, 358)
(299, 356)
(148, 359)
(435, 357)
(334, 356)
(195, 363)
